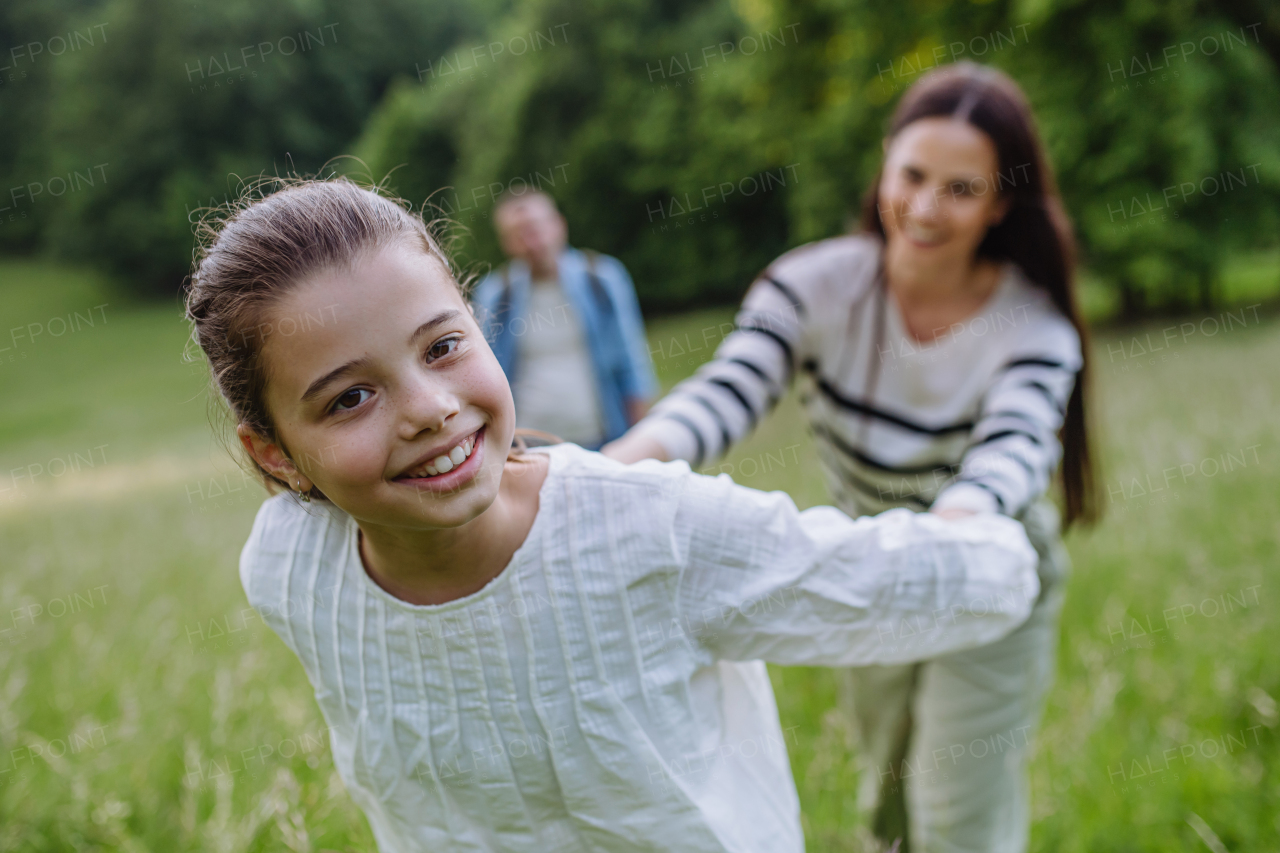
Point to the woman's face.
(938, 191)
(385, 393)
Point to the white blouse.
(607, 690)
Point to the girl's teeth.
(446, 463)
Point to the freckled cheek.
(361, 468)
(357, 460)
(487, 388)
(496, 390)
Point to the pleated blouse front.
(606, 690)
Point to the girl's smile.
(447, 468)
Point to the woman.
(941, 361)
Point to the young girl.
(537, 650)
(940, 360)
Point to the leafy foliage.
(668, 122)
(696, 141)
(179, 100)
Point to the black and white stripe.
(980, 424)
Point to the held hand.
(632, 448)
(636, 409)
(953, 514)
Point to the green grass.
(130, 673)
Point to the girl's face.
(938, 190)
(395, 407)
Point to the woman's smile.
(923, 236)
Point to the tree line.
(694, 140)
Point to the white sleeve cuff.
(966, 496)
(676, 439)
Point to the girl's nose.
(424, 405)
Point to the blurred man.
(565, 326)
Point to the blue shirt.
(610, 318)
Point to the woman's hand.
(633, 447)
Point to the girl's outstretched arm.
(762, 580)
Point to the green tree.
(36, 37)
(653, 121)
(183, 98)
(615, 113)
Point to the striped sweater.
(967, 420)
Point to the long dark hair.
(1035, 234)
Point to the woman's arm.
(706, 414)
(762, 580)
(1014, 447)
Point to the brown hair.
(253, 251)
(1035, 233)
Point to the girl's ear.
(272, 458)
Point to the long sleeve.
(719, 405)
(762, 580)
(1014, 448)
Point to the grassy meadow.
(144, 708)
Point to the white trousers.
(945, 742)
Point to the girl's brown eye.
(350, 399)
(441, 348)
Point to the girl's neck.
(441, 565)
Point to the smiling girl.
(541, 649)
(941, 368)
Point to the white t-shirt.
(555, 383)
(606, 691)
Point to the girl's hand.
(632, 448)
(953, 514)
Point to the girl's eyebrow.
(440, 319)
(316, 388)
